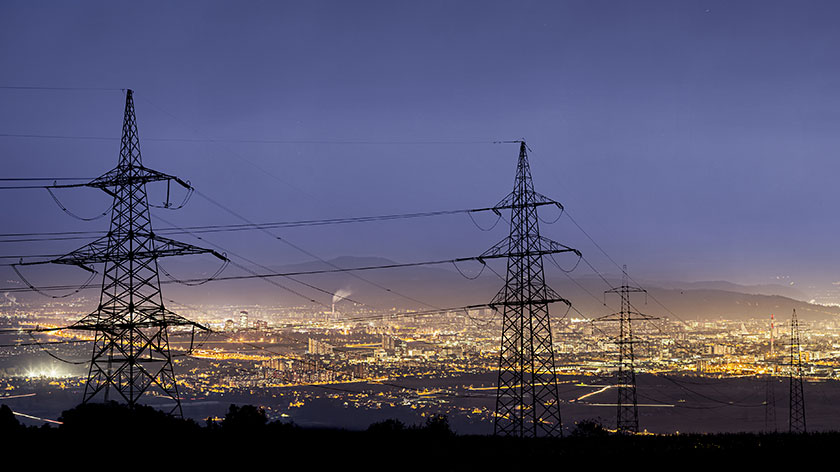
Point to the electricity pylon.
(131, 342)
(527, 398)
(797, 395)
(627, 415)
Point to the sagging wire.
(310, 254)
(66, 210)
(562, 210)
(712, 399)
(568, 310)
(498, 218)
(246, 269)
(168, 206)
(85, 285)
(554, 261)
(218, 272)
(483, 266)
(54, 356)
(480, 324)
(21, 344)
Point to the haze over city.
(348, 168)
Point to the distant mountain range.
(425, 287)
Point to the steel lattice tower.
(527, 399)
(131, 343)
(797, 395)
(627, 414)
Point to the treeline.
(114, 427)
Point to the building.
(320, 348)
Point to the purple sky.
(693, 140)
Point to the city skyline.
(350, 220)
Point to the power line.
(46, 179)
(28, 87)
(248, 140)
(273, 282)
(604, 252)
(337, 269)
(72, 235)
(651, 321)
(312, 255)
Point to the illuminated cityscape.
(427, 364)
(419, 217)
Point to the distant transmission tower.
(797, 396)
(627, 415)
(131, 342)
(527, 398)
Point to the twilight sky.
(694, 140)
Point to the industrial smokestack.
(341, 294)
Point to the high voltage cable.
(72, 235)
(655, 325)
(301, 142)
(324, 142)
(395, 265)
(29, 255)
(36, 179)
(32, 87)
(591, 239)
(227, 251)
(249, 140)
(661, 330)
(70, 341)
(310, 254)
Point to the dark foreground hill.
(146, 436)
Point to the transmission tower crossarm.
(521, 303)
(533, 199)
(538, 246)
(100, 251)
(626, 316)
(157, 319)
(119, 177)
(507, 204)
(171, 247)
(626, 289)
